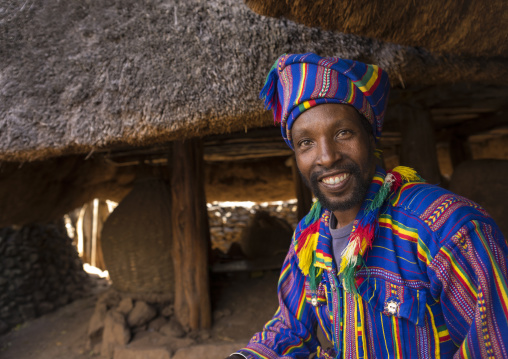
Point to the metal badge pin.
(392, 307)
(314, 301)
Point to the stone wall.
(39, 271)
(227, 223)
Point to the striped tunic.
(434, 286)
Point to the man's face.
(335, 156)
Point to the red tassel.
(397, 183)
(306, 233)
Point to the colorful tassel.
(315, 274)
(306, 253)
(407, 174)
(314, 213)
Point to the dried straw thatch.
(84, 75)
(476, 27)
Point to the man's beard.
(355, 196)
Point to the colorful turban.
(296, 83)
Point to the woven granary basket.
(136, 241)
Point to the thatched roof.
(475, 28)
(79, 76)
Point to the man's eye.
(344, 133)
(304, 143)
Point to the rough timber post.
(191, 235)
(418, 149)
(303, 194)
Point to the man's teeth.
(335, 179)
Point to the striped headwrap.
(297, 82)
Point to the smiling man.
(385, 264)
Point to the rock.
(96, 324)
(45, 307)
(208, 351)
(149, 339)
(141, 313)
(116, 334)
(168, 310)
(96, 349)
(157, 323)
(63, 300)
(33, 257)
(39, 296)
(204, 335)
(144, 353)
(177, 343)
(71, 288)
(125, 306)
(217, 314)
(9, 262)
(172, 329)
(35, 271)
(4, 328)
(111, 298)
(27, 311)
(265, 235)
(139, 329)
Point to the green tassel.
(380, 197)
(314, 213)
(348, 276)
(315, 275)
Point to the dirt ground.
(241, 304)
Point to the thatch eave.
(472, 28)
(85, 76)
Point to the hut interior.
(97, 97)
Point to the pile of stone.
(125, 327)
(227, 223)
(40, 271)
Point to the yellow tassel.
(407, 173)
(305, 254)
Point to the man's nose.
(328, 154)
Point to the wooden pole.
(418, 148)
(95, 220)
(191, 237)
(103, 213)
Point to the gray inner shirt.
(340, 237)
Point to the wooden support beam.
(418, 149)
(485, 123)
(191, 236)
